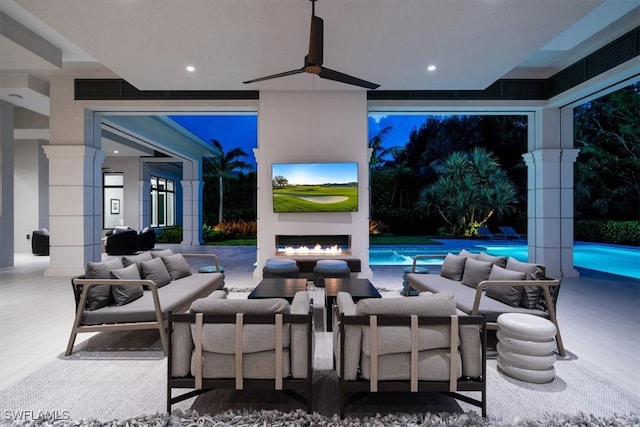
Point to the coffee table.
(358, 288)
(278, 288)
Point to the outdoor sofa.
(242, 344)
(138, 292)
(491, 285)
(405, 344)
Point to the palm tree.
(377, 151)
(224, 166)
(470, 189)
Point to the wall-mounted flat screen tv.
(315, 187)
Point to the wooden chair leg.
(72, 340)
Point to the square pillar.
(75, 207)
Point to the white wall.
(130, 204)
(317, 127)
(28, 162)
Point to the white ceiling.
(149, 43)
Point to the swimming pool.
(624, 261)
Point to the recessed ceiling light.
(431, 68)
(115, 151)
(191, 68)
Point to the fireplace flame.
(316, 250)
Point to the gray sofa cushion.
(393, 339)
(177, 266)
(100, 295)
(182, 344)
(175, 297)
(161, 253)
(155, 270)
(453, 267)
(465, 296)
(465, 253)
(394, 343)
(510, 295)
(254, 365)
(299, 333)
(531, 294)
(220, 338)
(500, 261)
(534, 271)
(127, 260)
(433, 365)
(353, 339)
(475, 272)
(124, 294)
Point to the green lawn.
(299, 198)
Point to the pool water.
(623, 261)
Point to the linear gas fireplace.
(316, 245)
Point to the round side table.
(525, 347)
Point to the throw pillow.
(510, 295)
(163, 252)
(155, 270)
(531, 294)
(99, 296)
(124, 294)
(465, 253)
(500, 261)
(475, 272)
(127, 260)
(533, 271)
(453, 267)
(177, 266)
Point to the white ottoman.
(525, 347)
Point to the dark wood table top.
(278, 288)
(358, 288)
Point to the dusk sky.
(242, 130)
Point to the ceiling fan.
(313, 61)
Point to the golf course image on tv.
(315, 187)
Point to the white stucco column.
(192, 212)
(6, 184)
(323, 126)
(550, 192)
(144, 196)
(75, 206)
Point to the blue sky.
(242, 130)
(317, 173)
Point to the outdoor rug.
(301, 418)
(122, 385)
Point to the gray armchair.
(405, 344)
(242, 344)
(40, 242)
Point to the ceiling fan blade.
(315, 41)
(275, 76)
(337, 76)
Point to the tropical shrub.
(236, 229)
(376, 227)
(617, 232)
(171, 234)
(471, 188)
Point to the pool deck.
(598, 313)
